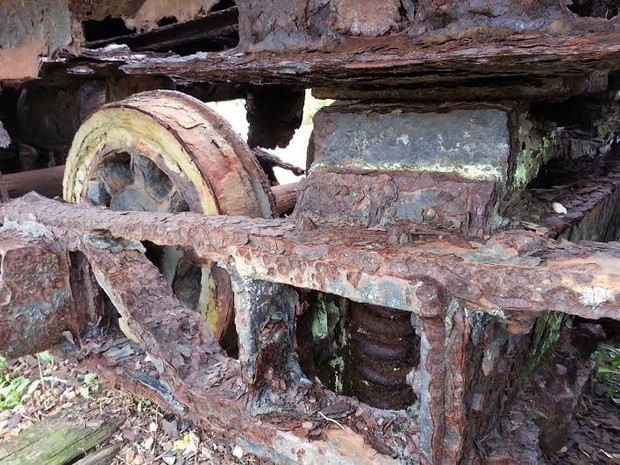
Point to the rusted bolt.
(430, 297)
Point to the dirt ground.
(150, 436)
(595, 432)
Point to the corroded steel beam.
(514, 275)
(209, 384)
(36, 302)
(384, 63)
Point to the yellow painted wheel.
(166, 151)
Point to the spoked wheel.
(165, 151)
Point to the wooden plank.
(55, 442)
(103, 456)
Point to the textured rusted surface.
(515, 271)
(382, 165)
(292, 24)
(36, 303)
(384, 349)
(497, 89)
(389, 198)
(429, 379)
(469, 141)
(165, 151)
(220, 175)
(458, 435)
(434, 276)
(365, 64)
(29, 30)
(265, 322)
(32, 30)
(282, 24)
(356, 49)
(209, 384)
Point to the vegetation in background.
(312, 105)
(607, 360)
(12, 386)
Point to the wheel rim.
(165, 151)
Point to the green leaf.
(46, 356)
(606, 371)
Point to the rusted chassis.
(263, 401)
(68, 271)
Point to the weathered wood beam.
(513, 275)
(55, 442)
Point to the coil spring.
(384, 349)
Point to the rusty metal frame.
(508, 273)
(514, 276)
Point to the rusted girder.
(513, 275)
(36, 302)
(209, 384)
(384, 64)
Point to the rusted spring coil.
(384, 349)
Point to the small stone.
(169, 460)
(148, 444)
(237, 452)
(152, 427)
(169, 427)
(559, 208)
(600, 389)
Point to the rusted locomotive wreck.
(459, 211)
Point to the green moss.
(546, 333)
(325, 314)
(605, 128)
(535, 152)
(338, 365)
